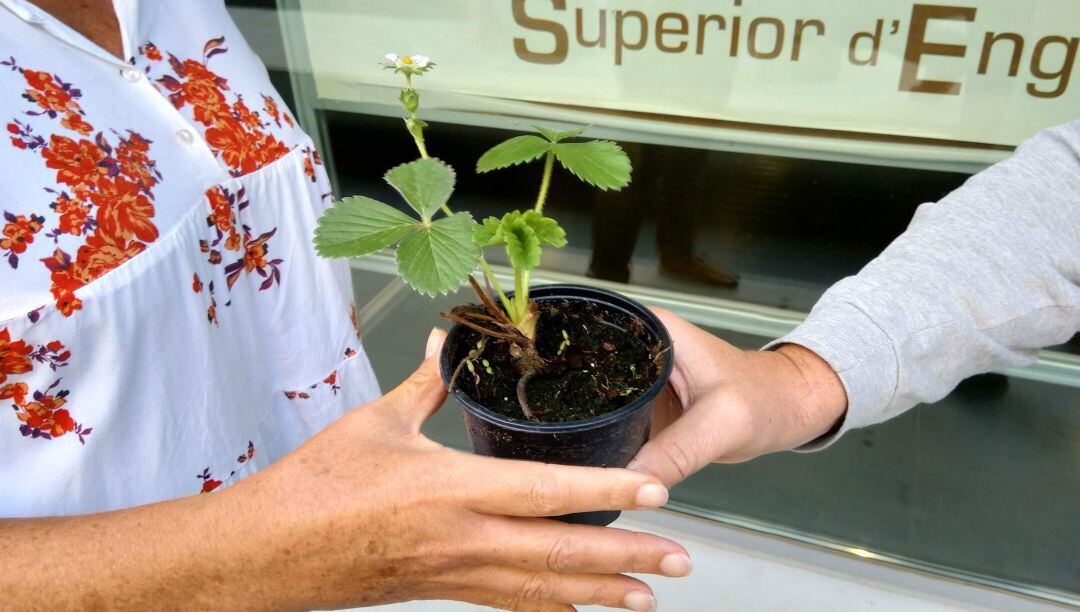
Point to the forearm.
(815, 392)
(179, 554)
(979, 281)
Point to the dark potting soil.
(606, 360)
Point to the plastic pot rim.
(550, 292)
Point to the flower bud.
(410, 99)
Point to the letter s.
(562, 40)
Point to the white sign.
(991, 72)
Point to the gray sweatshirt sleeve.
(979, 281)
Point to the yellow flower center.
(406, 60)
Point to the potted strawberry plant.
(557, 373)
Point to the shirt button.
(186, 136)
(130, 74)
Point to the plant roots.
(491, 322)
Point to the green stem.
(418, 137)
(420, 146)
(523, 293)
(519, 290)
(545, 182)
(495, 283)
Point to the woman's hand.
(728, 405)
(371, 511)
(367, 512)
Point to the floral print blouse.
(165, 325)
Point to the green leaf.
(547, 229)
(556, 136)
(517, 150)
(489, 233)
(522, 245)
(570, 134)
(600, 163)
(358, 226)
(426, 184)
(550, 134)
(438, 257)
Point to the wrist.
(277, 548)
(235, 553)
(817, 392)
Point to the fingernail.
(640, 602)
(676, 565)
(651, 496)
(432, 343)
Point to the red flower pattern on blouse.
(76, 123)
(245, 115)
(355, 323)
(74, 215)
(14, 356)
(151, 52)
(209, 483)
(78, 164)
(255, 259)
(222, 217)
(42, 413)
(18, 233)
(55, 97)
(211, 310)
(133, 155)
(271, 108)
(124, 211)
(330, 381)
(107, 189)
(311, 159)
(104, 191)
(237, 135)
(234, 131)
(248, 253)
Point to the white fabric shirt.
(165, 325)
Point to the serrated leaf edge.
(453, 175)
(476, 255)
(629, 169)
(511, 164)
(335, 208)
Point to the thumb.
(684, 447)
(422, 393)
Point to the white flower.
(408, 64)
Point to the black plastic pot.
(608, 440)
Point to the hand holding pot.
(728, 405)
(371, 511)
